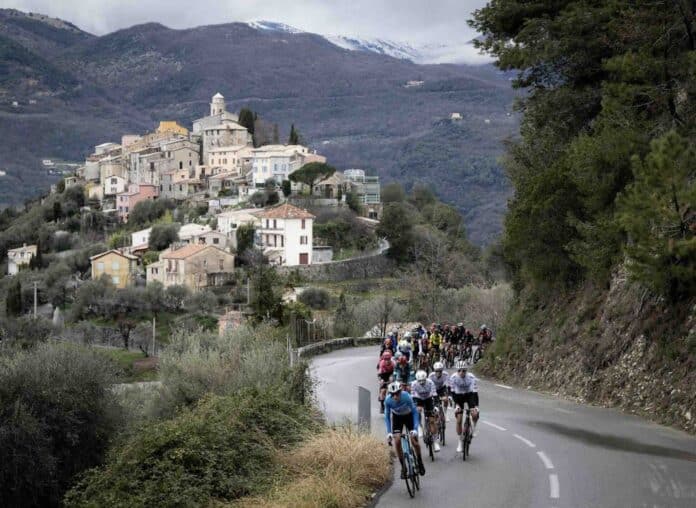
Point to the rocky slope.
(616, 347)
(75, 90)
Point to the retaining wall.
(326, 346)
(337, 271)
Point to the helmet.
(403, 359)
(407, 335)
(387, 355)
(421, 376)
(483, 327)
(462, 365)
(439, 366)
(460, 324)
(399, 354)
(394, 387)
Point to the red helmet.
(387, 355)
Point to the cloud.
(413, 21)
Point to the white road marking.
(494, 425)
(553, 484)
(525, 441)
(503, 386)
(547, 462)
(564, 411)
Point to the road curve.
(531, 451)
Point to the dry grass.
(335, 469)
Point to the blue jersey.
(403, 406)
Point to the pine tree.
(246, 119)
(13, 301)
(276, 135)
(294, 138)
(657, 213)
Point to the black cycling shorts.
(442, 392)
(400, 421)
(471, 399)
(428, 405)
(385, 376)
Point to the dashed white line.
(503, 386)
(494, 425)
(553, 485)
(525, 441)
(547, 462)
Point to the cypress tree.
(294, 138)
(13, 302)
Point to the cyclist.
(385, 369)
(402, 371)
(464, 388)
(485, 335)
(423, 392)
(435, 338)
(440, 379)
(405, 346)
(400, 411)
(388, 344)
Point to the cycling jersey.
(403, 372)
(401, 408)
(435, 339)
(460, 385)
(439, 382)
(423, 391)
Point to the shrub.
(57, 413)
(316, 298)
(222, 449)
(163, 235)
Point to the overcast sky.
(414, 21)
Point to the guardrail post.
(364, 409)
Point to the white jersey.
(441, 381)
(423, 391)
(461, 385)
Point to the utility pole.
(153, 335)
(35, 298)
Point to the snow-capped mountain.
(433, 53)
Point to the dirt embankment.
(618, 347)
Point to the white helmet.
(394, 387)
(483, 327)
(439, 366)
(421, 376)
(462, 365)
(407, 335)
(398, 355)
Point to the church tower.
(217, 105)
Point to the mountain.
(360, 109)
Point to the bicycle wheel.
(465, 439)
(442, 427)
(408, 462)
(430, 442)
(416, 474)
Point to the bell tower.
(217, 105)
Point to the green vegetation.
(163, 235)
(294, 138)
(315, 298)
(604, 80)
(312, 173)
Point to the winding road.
(531, 451)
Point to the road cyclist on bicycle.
(423, 393)
(464, 389)
(385, 369)
(440, 379)
(400, 411)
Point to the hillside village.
(215, 167)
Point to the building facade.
(285, 233)
(119, 267)
(19, 257)
(195, 266)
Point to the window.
(113, 181)
(282, 241)
(152, 166)
(154, 271)
(100, 266)
(181, 165)
(115, 279)
(267, 223)
(303, 240)
(303, 223)
(216, 241)
(114, 265)
(275, 224)
(221, 264)
(189, 163)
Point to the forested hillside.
(600, 230)
(75, 90)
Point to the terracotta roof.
(114, 251)
(185, 251)
(284, 211)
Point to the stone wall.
(319, 348)
(337, 271)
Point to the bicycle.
(467, 434)
(412, 477)
(441, 420)
(428, 438)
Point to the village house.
(277, 162)
(180, 184)
(228, 222)
(114, 185)
(172, 127)
(19, 257)
(236, 159)
(285, 234)
(194, 266)
(367, 189)
(119, 267)
(136, 193)
(220, 128)
(188, 231)
(214, 238)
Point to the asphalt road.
(531, 450)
